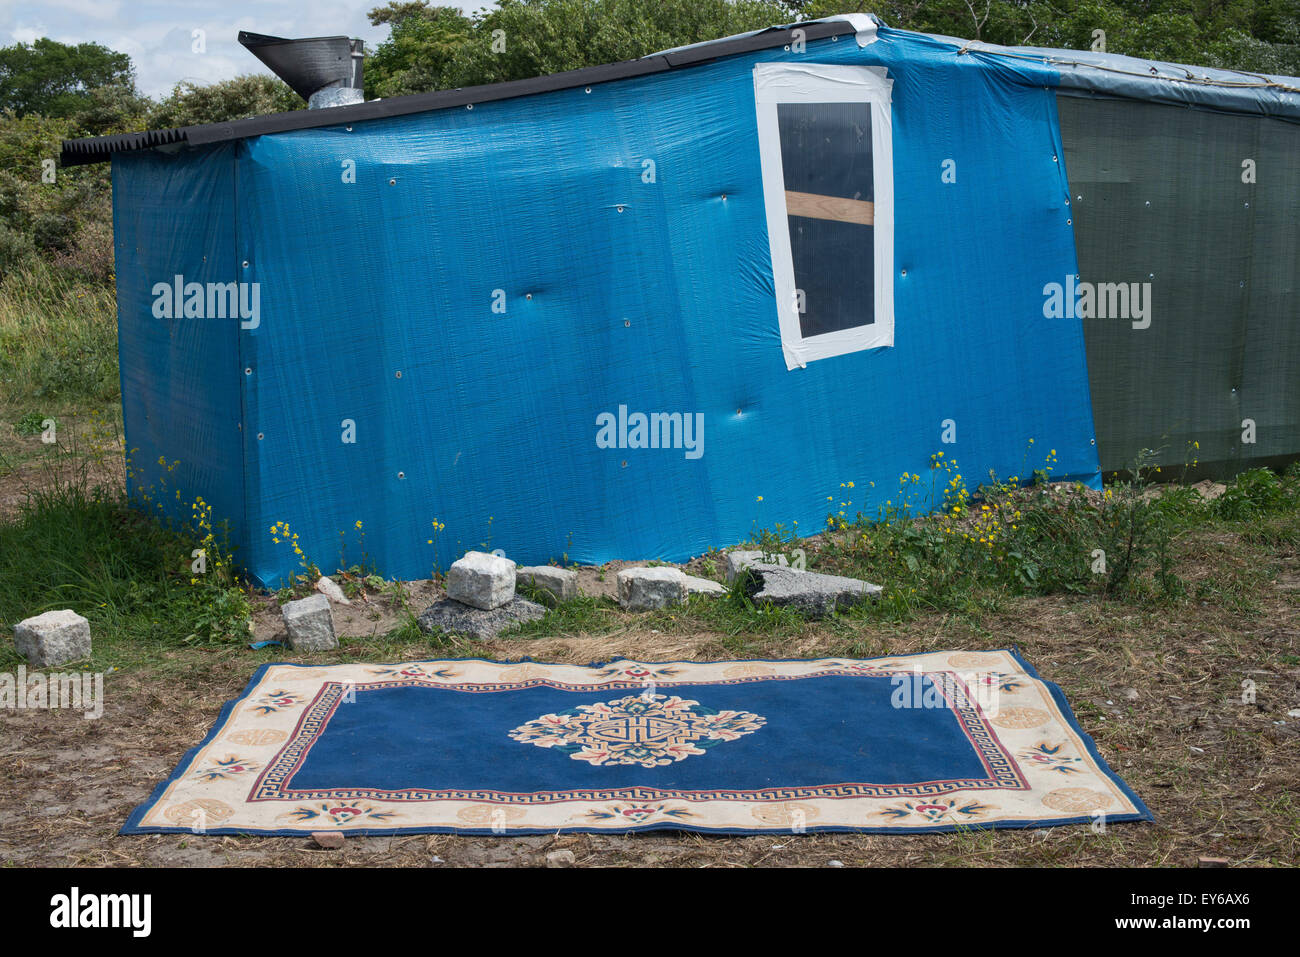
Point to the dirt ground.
(1159, 692)
(1159, 689)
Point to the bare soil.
(1159, 689)
(1160, 692)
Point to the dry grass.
(1160, 691)
(1158, 686)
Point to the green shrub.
(1253, 493)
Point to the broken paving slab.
(331, 590)
(645, 589)
(704, 586)
(738, 561)
(456, 617)
(560, 582)
(812, 593)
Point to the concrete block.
(310, 624)
(560, 582)
(644, 589)
(481, 580)
(53, 638)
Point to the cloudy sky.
(158, 35)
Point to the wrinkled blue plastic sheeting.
(657, 296)
(180, 378)
(1085, 73)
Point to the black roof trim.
(100, 148)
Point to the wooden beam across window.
(816, 206)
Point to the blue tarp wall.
(655, 296)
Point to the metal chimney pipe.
(324, 71)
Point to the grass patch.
(73, 546)
(58, 338)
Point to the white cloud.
(27, 34)
(156, 34)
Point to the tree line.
(51, 91)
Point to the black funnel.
(309, 65)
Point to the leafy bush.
(1253, 493)
(1018, 538)
(30, 424)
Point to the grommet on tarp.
(397, 374)
(401, 475)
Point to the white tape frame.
(826, 83)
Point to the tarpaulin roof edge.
(98, 149)
(1082, 71)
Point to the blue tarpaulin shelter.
(629, 312)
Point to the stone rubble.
(456, 617)
(53, 639)
(738, 561)
(646, 589)
(309, 624)
(482, 580)
(560, 582)
(812, 593)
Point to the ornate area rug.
(931, 742)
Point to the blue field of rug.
(929, 742)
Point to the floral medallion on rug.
(932, 742)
